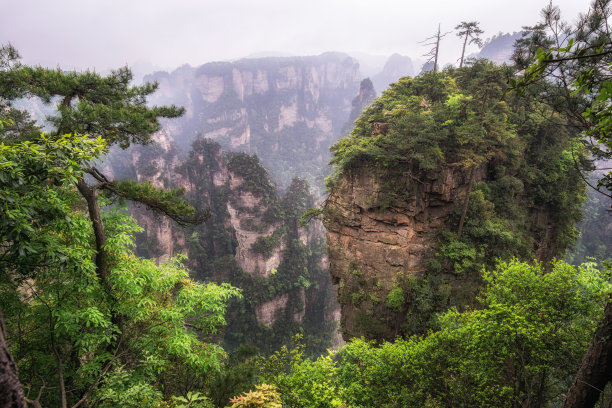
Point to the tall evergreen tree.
(470, 33)
(109, 110)
(99, 106)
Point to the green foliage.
(520, 349)
(301, 382)
(256, 179)
(16, 126)
(310, 214)
(265, 245)
(460, 254)
(237, 375)
(581, 53)
(264, 396)
(100, 106)
(68, 305)
(104, 107)
(161, 202)
(461, 121)
(192, 399)
(9, 57)
(395, 298)
(398, 105)
(109, 344)
(34, 186)
(515, 183)
(456, 118)
(122, 388)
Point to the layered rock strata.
(371, 248)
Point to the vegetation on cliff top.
(422, 123)
(519, 350)
(524, 203)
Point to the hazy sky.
(103, 34)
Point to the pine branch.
(168, 203)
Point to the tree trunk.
(11, 393)
(463, 51)
(435, 69)
(91, 197)
(596, 368)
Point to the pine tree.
(99, 106)
(470, 31)
(108, 109)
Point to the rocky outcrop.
(371, 248)
(396, 67)
(286, 110)
(244, 213)
(360, 102)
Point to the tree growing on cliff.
(471, 34)
(513, 162)
(106, 107)
(112, 112)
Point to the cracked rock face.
(369, 248)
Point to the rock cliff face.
(416, 212)
(288, 110)
(370, 249)
(366, 96)
(396, 67)
(252, 240)
(374, 251)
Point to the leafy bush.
(521, 348)
(264, 396)
(395, 298)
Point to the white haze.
(154, 34)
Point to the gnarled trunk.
(91, 197)
(11, 393)
(596, 368)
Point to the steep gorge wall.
(437, 181)
(252, 240)
(288, 111)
